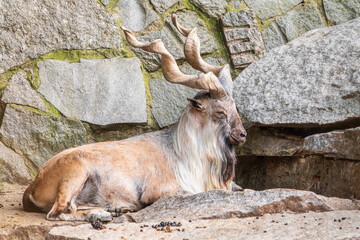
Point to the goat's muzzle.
(237, 136)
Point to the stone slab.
(39, 136)
(273, 36)
(339, 11)
(338, 144)
(300, 20)
(266, 9)
(32, 28)
(213, 8)
(100, 92)
(163, 5)
(19, 91)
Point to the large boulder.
(32, 28)
(226, 204)
(39, 136)
(100, 92)
(312, 80)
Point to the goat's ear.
(195, 103)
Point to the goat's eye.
(221, 114)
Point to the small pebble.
(265, 231)
(257, 217)
(190, 221)
(141, 230)
(340, 227)
(285, 224)
(357, 227)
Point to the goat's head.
(216, 104)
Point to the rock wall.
(68, 77)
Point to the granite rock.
(266, 9)
(242, 37)
(220, 204)
(19, 91)
(163, 5)
(300, 20)
(39, 136)
(339, 11)
(213, 8)
(273, 36)
(339, 144)
(32, 28)
(312, 80)
(100, 92)
(136, 15)
(12, 167)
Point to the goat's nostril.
(242, 134)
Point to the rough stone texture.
(17, 224)
(226, 204)
(300, 20)
(273, 36)
(12, 167)
(101, 92)
(270, 142)
(340, 144)
(242, 37)
(163, 5)
(339, 11)
(314, 79)
(170, 99)
(19, 91)
(266, 9)
(35, 27)
(213, 8)
(174, 41)
(325, 176)
(136, 15)
(105, 2)
(305, 226)
(39, 136)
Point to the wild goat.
(193, 156)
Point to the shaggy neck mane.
(205, 160)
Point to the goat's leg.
(68, 191)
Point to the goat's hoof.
(99, 214)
